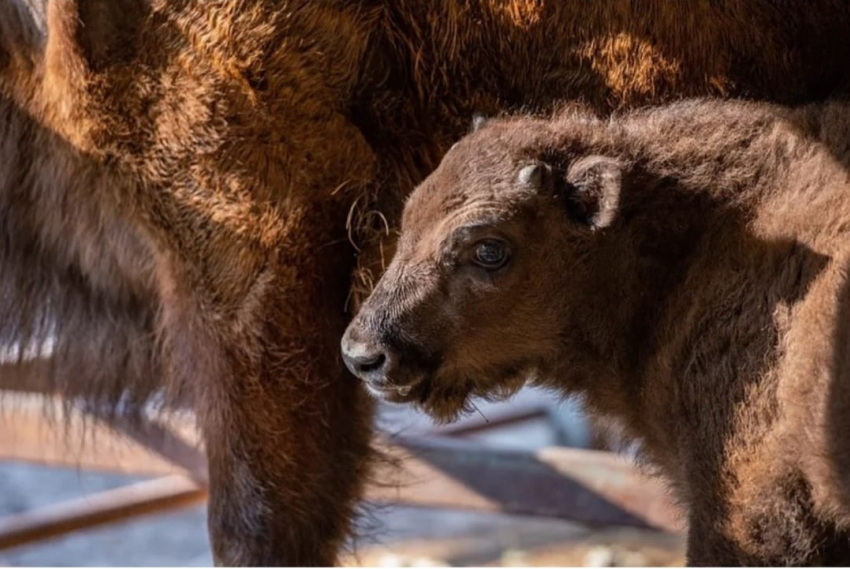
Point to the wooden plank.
(35, 429)
(121, 504)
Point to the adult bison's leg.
(286, 431)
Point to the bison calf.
(683, 269)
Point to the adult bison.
(190, 191)
(684, 270)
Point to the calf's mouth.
(390, 373)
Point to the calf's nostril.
(372, 363)
(363, 361)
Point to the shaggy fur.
(684, 269)
(176, 180)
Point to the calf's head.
(477, 297)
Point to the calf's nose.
(365, 360)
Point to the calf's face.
(473, 303)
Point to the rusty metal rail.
(134, 500)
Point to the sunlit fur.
(181, 183)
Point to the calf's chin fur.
(685, 271)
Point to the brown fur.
(684, 270)
(176, 178)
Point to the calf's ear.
(592, 190)
(589, 189)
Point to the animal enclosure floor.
(394, 535)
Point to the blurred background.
(391, 535)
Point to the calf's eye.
(490, 254)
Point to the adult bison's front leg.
(286, 431)
(213, 132)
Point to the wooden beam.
(162, 439)
(36, 429)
